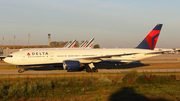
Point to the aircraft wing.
(158, 52)
(108, 56)
(99, 58)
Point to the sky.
(113, 23)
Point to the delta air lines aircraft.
(78, 58)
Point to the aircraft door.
(101, 53)
(51, 56)
(22, 57)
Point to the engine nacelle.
(70, 65)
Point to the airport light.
(17, 41)
(9, 42)
(2, 40)
(28, 40)
(13, 42)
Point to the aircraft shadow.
(43, 68)
(98, 66)
(129, 94)
(120, 66)
(46, 68)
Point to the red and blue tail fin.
(150, 40)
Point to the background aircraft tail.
(90, 43)
(150, 40)
(67, 45)
(83, 44)
(72, 44)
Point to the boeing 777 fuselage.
(76, 58)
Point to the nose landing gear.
(19, 69)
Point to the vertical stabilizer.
(83, 44)
(67, 45)
(150, 40)
(90, 43)
(72, 44)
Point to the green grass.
(7, 67)
(95, 88)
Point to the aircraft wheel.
(95, 70)
(88, 70)
(92, 70)
(20, 71)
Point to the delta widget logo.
(28, 54)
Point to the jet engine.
(71, 65)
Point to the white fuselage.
(58, 55)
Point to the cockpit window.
(10, 56)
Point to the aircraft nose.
(7, 60)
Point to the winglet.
(150, 40)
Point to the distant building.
(8, 51)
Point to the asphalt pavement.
(99, 71)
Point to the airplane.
(83, 44)
(68, 45)
(90, 43)
(2, 57)
(84, 58)
(86, 44)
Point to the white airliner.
(87, 44)
(67, 45)
(90, 43)
(83, 44)
(79, 57)
(70, 44)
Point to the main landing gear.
(92, 68)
